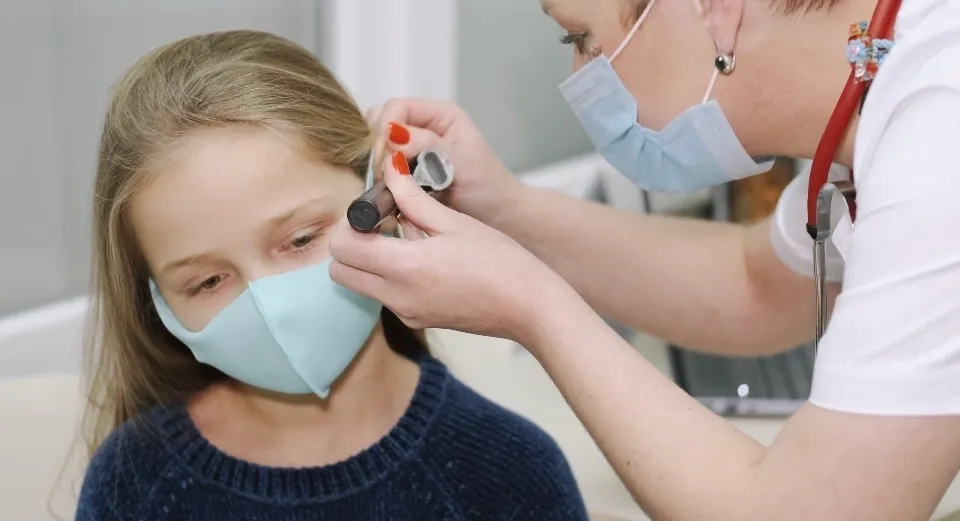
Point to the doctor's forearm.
(680, 461)
(683, 463)
(686, 281)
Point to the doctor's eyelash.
(578, 40)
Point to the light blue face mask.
(698, 149)
(292, 333)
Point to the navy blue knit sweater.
(452, 456)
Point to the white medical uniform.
(892, 346)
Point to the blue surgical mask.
(698, 149)
(293, 333)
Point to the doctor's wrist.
(506, 206)
(554, 309)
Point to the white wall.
(509, 64)
(390, 48)
(59, 58)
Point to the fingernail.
(400, 163)
(398, 134)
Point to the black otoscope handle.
(371, 208)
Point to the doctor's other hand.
(481, 182)
(459, 274)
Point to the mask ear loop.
(636, 26)
(713, 81)
(370, 175)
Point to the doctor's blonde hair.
(235, 78)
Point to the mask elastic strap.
(370, 175)
(713, 80)
(636, 26)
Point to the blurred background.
(500, 59)
(60, 58)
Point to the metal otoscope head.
(430, 169)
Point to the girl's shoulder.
(124, 468)
(463, 414)
(478, 443)
(479, 417)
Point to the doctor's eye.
(578, 41)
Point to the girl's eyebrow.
(186, 261)
(277, 221)
(311, 205)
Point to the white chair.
(40, 405)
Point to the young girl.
(232, 379)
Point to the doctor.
(681, 95)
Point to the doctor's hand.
(481, 182)
(457, 274)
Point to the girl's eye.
(209, 284)
(304, 242)
(579, 41)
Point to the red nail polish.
(400, 163)
(398, 134)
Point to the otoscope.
(430, 169)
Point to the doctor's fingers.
(369, 252)
(394, 135)
(435, 115)
(373, 114)
(364, 283)
(416, 205)
(388, 293)
(410, 140)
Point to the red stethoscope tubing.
(881, 26)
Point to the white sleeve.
(892, 346)
(788, 234)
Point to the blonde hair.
(243, 78)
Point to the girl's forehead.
(230, 164)
(227, 186)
